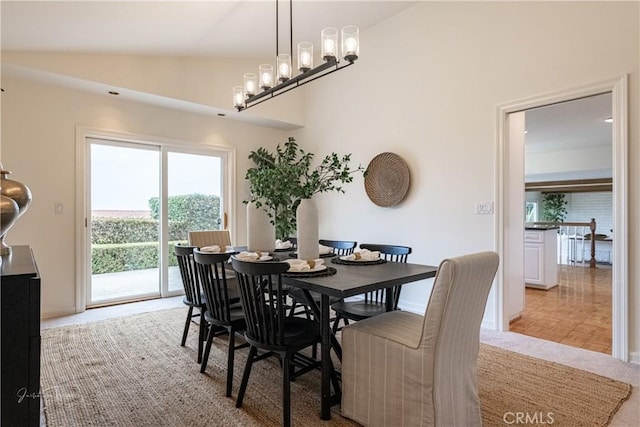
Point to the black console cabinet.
(20, 351)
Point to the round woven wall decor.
(387, 179)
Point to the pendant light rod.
(290, 27)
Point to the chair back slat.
(263, 300)
(293, 241)
(203, 238)
(213, 278)
(340, 247)
(190, 282)
(390, 253)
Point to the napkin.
(323, 250)
(214, 249)
(362, 255)
(300, 265)
(253, 256)
(283, 245)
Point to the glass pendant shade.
(305, 56)
(350, 43)
(284, 67)
(250, 84)
(338, 50)
(266, 76)
(329, 43)
(238, 96)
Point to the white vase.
(261, 234)
(307, 226)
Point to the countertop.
(541, 227)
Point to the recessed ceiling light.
(526, 132)
(609, 120)
(113, 92)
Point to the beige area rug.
(132, 372)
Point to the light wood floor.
(577, 312)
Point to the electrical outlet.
(484, 208)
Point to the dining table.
(349, 280)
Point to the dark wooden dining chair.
(294, 242)
(193, 296)
(373, 303)
(224, 312)
(299, 303)
(270, 330)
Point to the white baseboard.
(51, 314)
(412, 308)
(634, 357)
(488, 324)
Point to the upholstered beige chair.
(403, 369)
(209, 238)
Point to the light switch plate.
(484, 208)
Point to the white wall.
(205, 82)
(38, 145)
(427, 87)
(582, 161)
(581, 207)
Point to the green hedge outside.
(125, 244)
(106, 231)
(197, 211)
(113, 258)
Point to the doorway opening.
(568, 180)
(512, 215)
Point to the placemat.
(338, 260)
(330, 271)
(329, 255)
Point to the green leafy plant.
(280, 180)
(197, 211)
(553, 207)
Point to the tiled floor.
(577, 312)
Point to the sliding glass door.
(194, 201)
(142, 199)
(124, 235)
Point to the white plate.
(313, 270)
(347, 258)
(264, 258)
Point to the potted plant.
(280, 180)
(553, 207)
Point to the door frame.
(83, 270)
(504, 212)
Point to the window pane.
(124, 230)
(194, 190)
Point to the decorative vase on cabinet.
(307, 229)
(16, 198)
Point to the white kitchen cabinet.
(540, 257)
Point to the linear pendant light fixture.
(264, 85)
